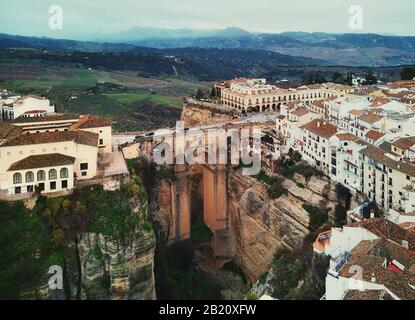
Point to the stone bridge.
(214, 183)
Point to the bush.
(275, 188)
(317, 216)
(250, 296)
(201, 233)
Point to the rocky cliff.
(260, 225)
(113, 259)
(197, 115)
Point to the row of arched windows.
(41, 176)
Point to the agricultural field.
(133, 103)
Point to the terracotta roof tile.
(404, 143)
(379, 155)
(86, 122)
(81, 137)
(388, 230)
(347, 136)
(42, 161)
(371, 256)
(299, 112)
(374, 135)
(370, 117)
(321, 128)
(8, 131)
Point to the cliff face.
(260, 225)
(111, 270)
(114, 265)
(194, 115)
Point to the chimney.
(405, 244)
(373, 278)
(372, 214)
(318, 124)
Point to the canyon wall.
(118, 266)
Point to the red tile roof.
(42, 161)
(81, 137)
(86, 122)
(321, 128)
(386, 229)
(374, 135)
(299, 112)
(347, 136)
(404, 143)
(370, 117)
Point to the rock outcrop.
(261, 225)
(197, 115)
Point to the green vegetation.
(318, 216)
(408, 73)
(176, 279)
(299, 276)
(201, 233)
(274, 185)
(129, 98)
(287, 167)
(33, 240)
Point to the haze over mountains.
(349, 49)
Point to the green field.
(132, 102)
(128, 98)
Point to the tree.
(408, 73)
(213, 92)
(337, 77)
(370, 77)
(199, 94)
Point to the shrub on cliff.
(317, 216)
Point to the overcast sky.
(88, 18)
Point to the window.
(18, 190)
(41, 187)
(53, 185)
(64, 184)
(101, 141)
(41, 176)
(17, 178)
(30, 177)
(64, 173)
(53, 175)
(84, 166)
(30, 189)
(84, 174)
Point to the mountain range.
(349, 49)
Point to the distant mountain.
(202, 63)
(344, 49)
(10, 41)
(347, 49)
(137, 33)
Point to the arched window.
(30, 177)
(64, 173)
(53, 175)
(17, 178)
(41, 176)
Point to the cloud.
(86, 19)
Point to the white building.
(316, 148)
(51, 154)
(28, 107)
